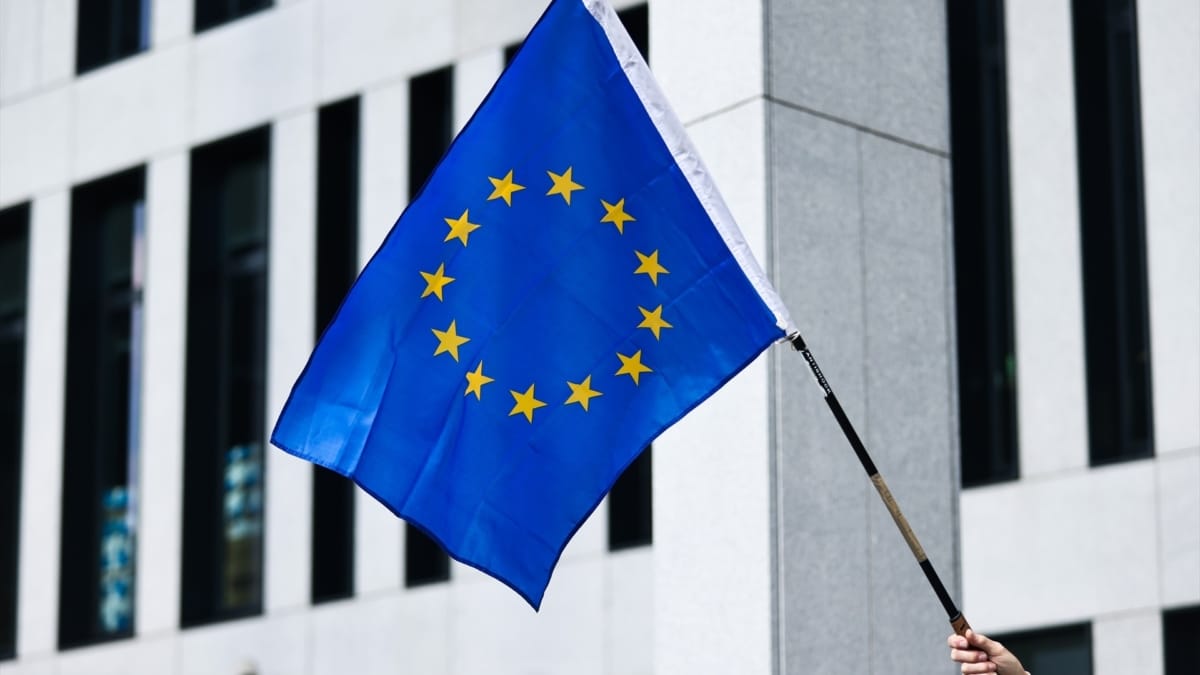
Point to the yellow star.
(582, 393)
(633, 366)
(525, 403)
(650, 266)
(460, 228)
(475, 381)
(653, 320)
(449, 340)
(615, 214)
(434, 283)
(563, 185)
(504, 188)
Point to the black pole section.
(957, 620)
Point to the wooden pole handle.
(960, 625)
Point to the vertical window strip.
(14, 265)
(430, 124)
(1112, 231)
(337, 264)
(630, 501)
(225, 390)
(430, 130)
(97, 576)
(630, 506)
(982, 242)
(636, 21)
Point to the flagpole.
(957, 620)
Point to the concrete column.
(288, 536)
(35, 133)
(857, 193)
(19, 49)
(56, 60)
(42, 444)
(170, 22)
(160, 483)
(712, 489)
(826, 127)
(473, 79)
(1128, 643)
(383, 194)
(1047, 275)
(1169, 57)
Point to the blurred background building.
(985, 216)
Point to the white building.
(175, 180)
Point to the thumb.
(989, 646)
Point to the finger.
(970, 668)
(957, 642)
(967, 655)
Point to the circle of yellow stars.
(449, 340)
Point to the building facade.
(984, 215)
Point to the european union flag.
(566, 286)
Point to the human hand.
(979, 654)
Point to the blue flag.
(566, 286)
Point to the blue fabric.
(547, 295)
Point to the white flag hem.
(675, 136)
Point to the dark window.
(430, 124)
(636, 20)
(110, 30)
(337, 265)
(1113, 238)
(424, 560)
(1064, 650)
(14, 269)
(210, 13)
(510, 53)
(982, 241)
(100, 441)
(630, 516)
(630, 507)
(430, 128)
(226, 364)
(1180, 628)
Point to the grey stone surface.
(909, 403)
(862, 253)
(881, 65)
(822, 495)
